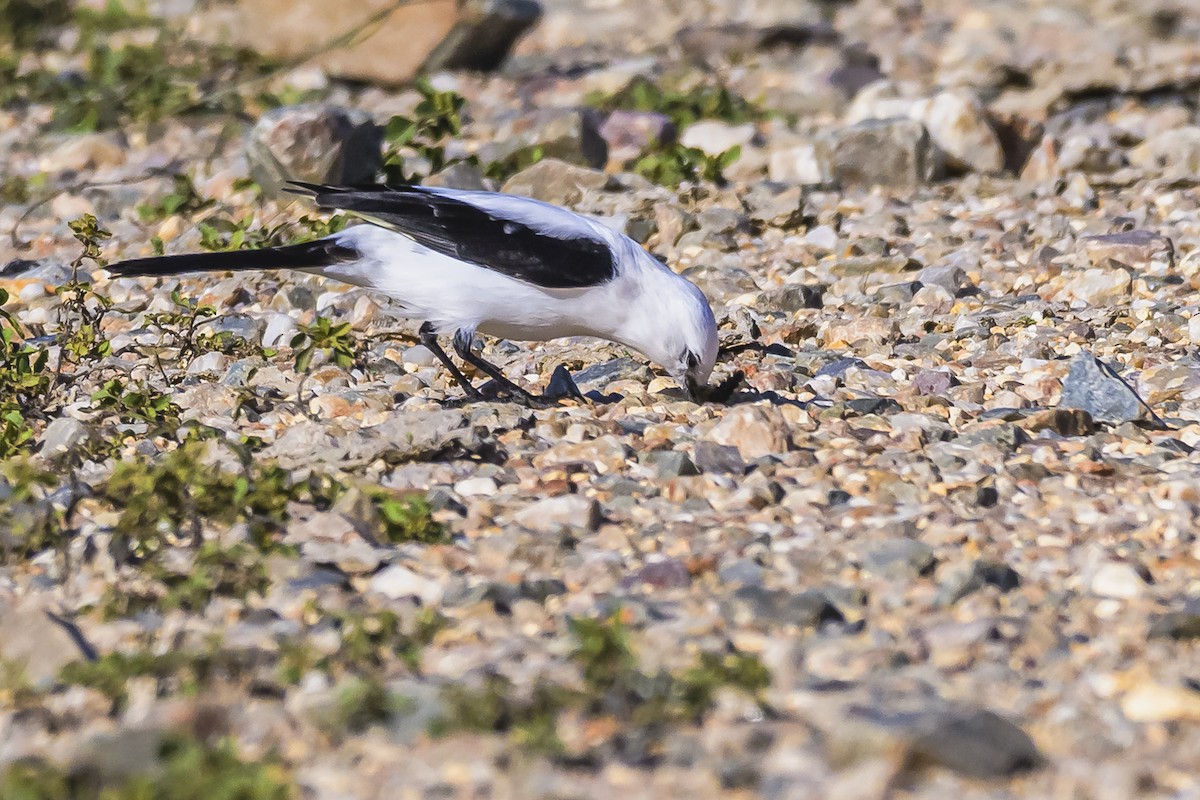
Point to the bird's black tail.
(321, 253)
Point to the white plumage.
(501, 265)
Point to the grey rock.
(775, 205)
(38, 642)
(1005, 436)
(552, 514)
(982, 573)
(794, 298)
(899, 293)
(459, 175)
(933, 382)
(554, 181)
(719, 459)
(619, 369)
(719, 220)
(417, 435)
(666, 573)
(950, 277)
(566, 134)
(1092, 386)
(744, 571)
(485, 33)
(809, 609)
(839, 366)
(901, 558)
(892, 152)
(1138, 249)
(242, 325)
(973, 742)
(669, 463)
(315, 143)
(63, 435)
(1182, 624)
(629, 133)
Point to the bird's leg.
(429, 339)
(462, 346)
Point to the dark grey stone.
(901, 558)
(974, 742)
(669, 463)
(719, 459)
(1093, 386)
(882, 152)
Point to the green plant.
(336, 341)
(182, 199)
(24, 22)
(186, 768)
(137, 402)
(673, 164)
(24, 382)
(407, 518)
(81, 310)
(224, 233)
(646, 704)
(436, 118)
(682, 106)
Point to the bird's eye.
(693, 360)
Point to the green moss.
(646, 704)
(186, 769)
(682, 106)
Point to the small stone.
(476, 487)
(630, 133)
(744, 571)
(554, 181)
(314, 143)
(419, 356)
(935, 382)
(773, 206)
(958, 124)
(758, 605)
(976, 743)
(396, 582)
(1153, 702)
(798, 164)
(278, 330)
(901, 558)
(1170, 155)
(1118, 580)
(665, 573)
(619, 369)
(1063, 421)
(1138, 249)
(794, 298)
(571, 135)
(1093, 386)
(460, 175)
(715, 137)
(719, 459)
(1178, 625)
(669, 463)
(553, 514)
(823, 237)
(63, 435)
(37, 643)
(894, 152)
(755, 431)
(982, 573)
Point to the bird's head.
(688, 334)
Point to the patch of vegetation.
(222, 233)
(681, 106)
(180, 330)
(361, 702)
(121, 82)
(337, 342)
(436, 119)
(673, 164)
(24, 381)
(134, 402)
(645, 705)
(182, 199)
(23, 23)
(187, 768)
(29, 523)
(407, 518)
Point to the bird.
(463, 262)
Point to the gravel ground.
(941, 544)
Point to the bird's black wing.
(501, 232)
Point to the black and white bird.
(462, 262)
